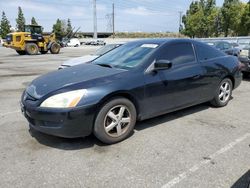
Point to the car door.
(177, 87)
(208, 58)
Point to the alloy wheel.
(225, 91)
(117, 121)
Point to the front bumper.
(11, 46)
(71, 123)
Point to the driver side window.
(179, 53)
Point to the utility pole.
(94, 19)
(180, 21)
(113, 19)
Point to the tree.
(20, 21)
(200, 19)
(244, 27)
(59, 28)
(5, 26)
(33, 21)
(231, 14)
(69, 26)
(189, 27)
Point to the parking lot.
(200, 146)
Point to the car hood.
(79, 60)
(70, 77)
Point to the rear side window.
(205, 52)
(178, 53)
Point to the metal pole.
(113, 19)
(180, 21)
(95, 19)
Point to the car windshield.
(105, 49)
(127, 56)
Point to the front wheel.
(115, 121)
(31, 48)
(55, 48)
(223, 93)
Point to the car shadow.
(65, 143)
(246, 78)
(90, 141)
(243, 182)
(171, 116)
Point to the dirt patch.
(18, 90)
(26, 83)
(18, 75)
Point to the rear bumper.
(237, 79)
(246, 62)
(69, 124)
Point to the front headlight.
(64, 100)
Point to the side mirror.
(162, 65)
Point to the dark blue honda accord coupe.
(137, 81)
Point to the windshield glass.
(33, 29)
(127, 56)
(105, 49)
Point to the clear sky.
(130, 15)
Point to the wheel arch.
(122, 94)
(231, 78)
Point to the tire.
(55, 48)
(110, 127)
(77, 45)
(31, 48)
(223, 93)
(21, 52)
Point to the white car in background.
(1, 42)
(74, 42)
(89, 58)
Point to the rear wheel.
(55, 48)
(31, 48)
(21, 52)
(223, 93)
(115, 121)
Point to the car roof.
(161, 41)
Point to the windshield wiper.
(105, 65)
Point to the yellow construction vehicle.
(32, 41)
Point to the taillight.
(241, 66)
